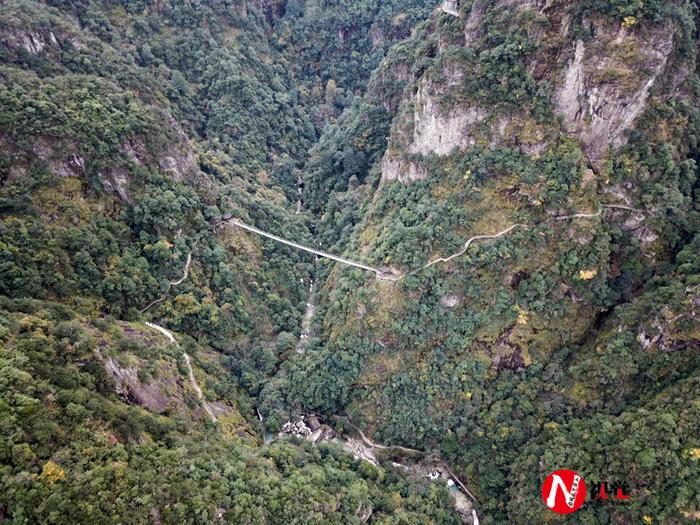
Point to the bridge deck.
(305, 248)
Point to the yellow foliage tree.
(587, 275)
(330, 91)
(52, 472)
(629, 21)
(523, 315)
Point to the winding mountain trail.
(387, 275)
(167, 333)
(378, 446)
(466, 247)
(185, 275)
(520, 225)
(382, 274)
(186, 272)
(200, 395)
(197, 389)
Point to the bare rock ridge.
(438, 132)
(33, 42)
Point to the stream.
(306, 321)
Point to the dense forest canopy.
(152, 351)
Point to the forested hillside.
(133, 131)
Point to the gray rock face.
(440, 132)
(117, 180)
(471, 27)
(568, 103)
(602, 93)
(39, 40)
(179, 158)
(397, 168)
(178, 163)
(33, 42)
(65, 164)
(135, 150)
(450, 300)
(435, 131)
(128, 385)
(600, 87)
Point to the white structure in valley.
(451, 7)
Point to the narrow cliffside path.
(385, 274)
(466, 247)
(197, 389)
(185, 273)
(171, 338)
(469, 241)
(381, 273)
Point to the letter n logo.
(564, 491)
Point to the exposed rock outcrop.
(33, 42)
(451, 300)
(607, 84)
(38, 40)
(116, 180)
(435, 131)
(403, 170)
(439, 132)
(68, 163)
(128, 385)
(169, 392)
(178, 158)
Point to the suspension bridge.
(384, 274)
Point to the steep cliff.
(599, 74)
